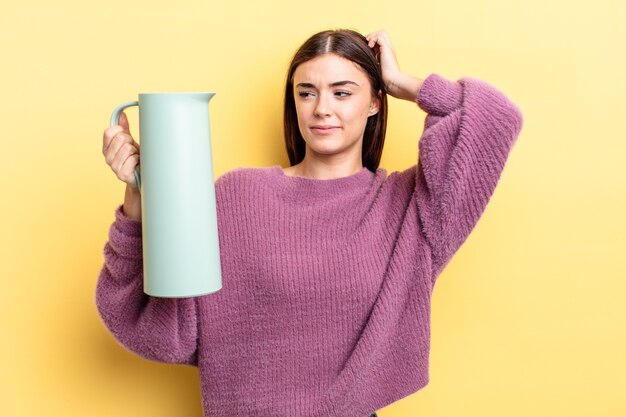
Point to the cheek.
(301, 111)
(357, 116)
(299, 115)
(301, 118)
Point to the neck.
(325, 169)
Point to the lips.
(324, 129)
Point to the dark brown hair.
(353, 46)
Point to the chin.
(326, 150)
(328, 146)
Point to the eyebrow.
(335, 84)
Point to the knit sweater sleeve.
(160, 329)
(469, 131)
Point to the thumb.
(124, 121)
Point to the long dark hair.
(353, 46)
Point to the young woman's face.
(333, 99)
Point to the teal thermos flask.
(181, 255)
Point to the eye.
(305, 94)
(343, 93)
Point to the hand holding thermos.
(121, 153)
(171, 190)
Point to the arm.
(161, 329)
(469, 132)
(397, 83)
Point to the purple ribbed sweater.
(325, 305)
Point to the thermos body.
(179, 216)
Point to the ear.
(375, 104)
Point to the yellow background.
(528, 318)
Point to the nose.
(322, 106)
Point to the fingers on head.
(377, 38)
(376, 33)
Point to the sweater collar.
(308, 189)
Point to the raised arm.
(397, 84)
(469, 132)
(160, 329)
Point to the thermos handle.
(115, 120)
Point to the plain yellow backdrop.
(528, 318)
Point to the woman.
(328, 265)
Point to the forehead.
(328, 68)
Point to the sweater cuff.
(125, 235)
(439, 96)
